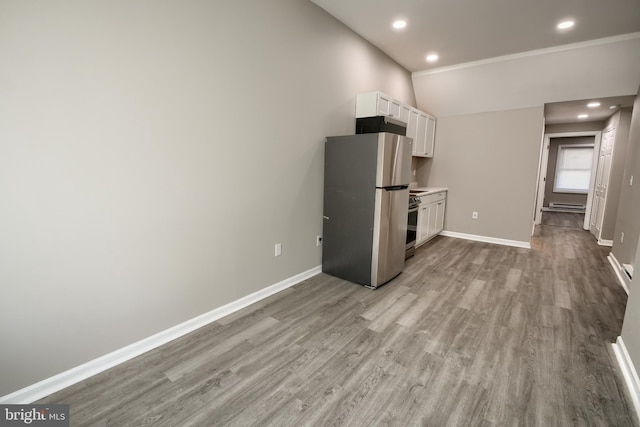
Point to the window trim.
(555, 178)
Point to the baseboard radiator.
(574, 207)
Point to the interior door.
(597, 192)
(602, 182)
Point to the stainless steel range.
(412, 226)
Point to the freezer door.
(389, 235)
(394, 160)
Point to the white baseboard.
(605, 243)
(74, 375)
(486, 239)
(629, 372)
(622, 276)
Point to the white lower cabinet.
(431, 216)
(423, 224)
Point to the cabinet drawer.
(432, 198)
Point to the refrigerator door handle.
(395, 187)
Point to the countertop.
(425, 191)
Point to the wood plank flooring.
(470, 334)
(563, 219)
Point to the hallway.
(563, 219)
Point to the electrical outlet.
(278, 249)
(318, 240)
(474, 215)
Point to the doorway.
(565, 199)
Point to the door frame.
(542, 172)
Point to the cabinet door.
(431, 217)
(425, 132)
(367, 104)
(394, 108)
(384, 103)
(405, 111)
(432, 225)
(421, 133)
(423, 224)
(441, 206)
(412, 129)
(430, 136)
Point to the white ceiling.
(470, 30)
(463, 31)
(567, 112)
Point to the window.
(573, 169)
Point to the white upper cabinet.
(383, 104)
(412, 127)
(430, 136)
(394, 109)
(405, 112)
(420, 126)
(377, 104)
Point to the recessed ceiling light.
(566, 24)
(399, 24)
(432, 57)
(593, 104)
(583, 116)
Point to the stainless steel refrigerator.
(366, 197)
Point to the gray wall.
(489, 162)
(631, 323)
(628, 216)
(628, 252)
(505, 86)
(621, 120)
(574, 127)
(549, 195)
(151, 155)
(532, 79)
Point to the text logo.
(55, 415)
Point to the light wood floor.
(470, 334)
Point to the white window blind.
(573, 170)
